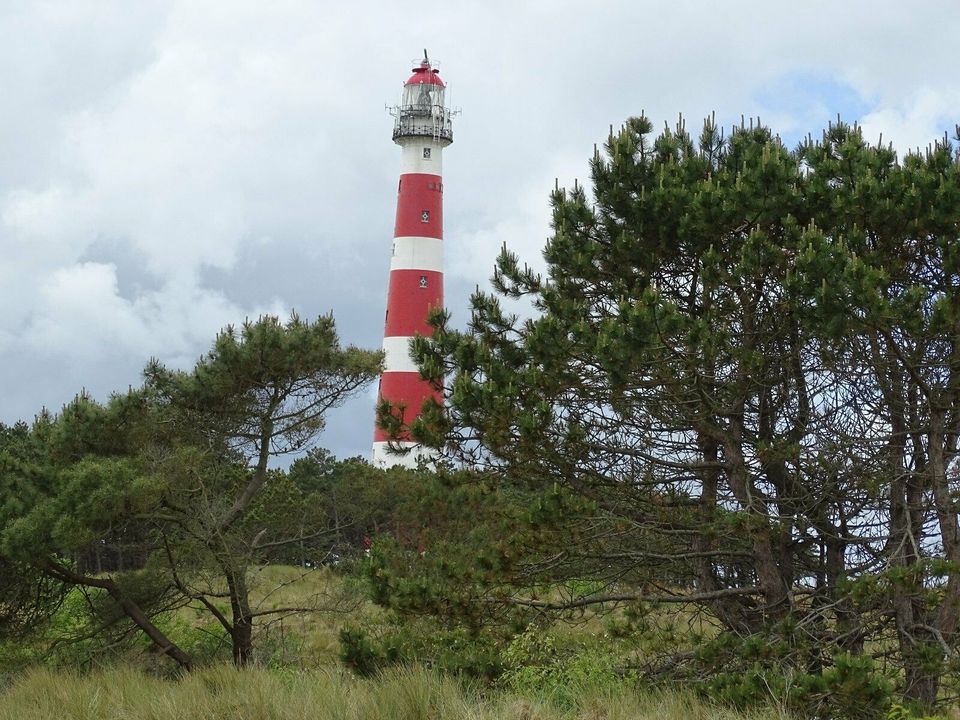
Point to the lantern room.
(422, 111)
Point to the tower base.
(384, 457)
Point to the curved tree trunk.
(128, 606)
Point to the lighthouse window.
(425, 216)
(426, 153)
(423, 281)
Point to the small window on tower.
(423, 281)
(425, 216)
(426, 153)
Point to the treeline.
(735, 393)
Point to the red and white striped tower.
(422, 128)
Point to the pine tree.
(177, 475)
(745, 357)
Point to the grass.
(306, 639)
(556, 672)
(222, 692)
(298, 674)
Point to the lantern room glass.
(423, 98)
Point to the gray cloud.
(170, 167)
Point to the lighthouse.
(422, 128)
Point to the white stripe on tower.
(417, 253)
(423, 129)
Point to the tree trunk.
(134, 612)
(849, 627)
(129, 607)
(241, 633)
(775, 587)
(920, 682)
(242, 639)
(729, 610)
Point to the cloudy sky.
(171, 166)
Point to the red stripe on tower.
(404, 384)
(422, 128)
(419, 206)
(410, 298)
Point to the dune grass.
(222, 692)
(304, 639)
(298, 674)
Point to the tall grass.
(223, 693)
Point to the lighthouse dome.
(425, 75)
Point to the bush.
(538, 665)
(851, 687)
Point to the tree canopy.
(747, 359)
(174, 478)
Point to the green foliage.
(162, 495)
(786, 668)
(466, 535)
(359, 653)
(27, 598)
(899, 712)
(744, 359)
(265, 389)
(849, 687)
(536, 664)
(360, 501)
(203, 639)
(453, 651)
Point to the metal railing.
(419, 121)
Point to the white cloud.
(171, 166)
(80, 309)
(915, 120)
